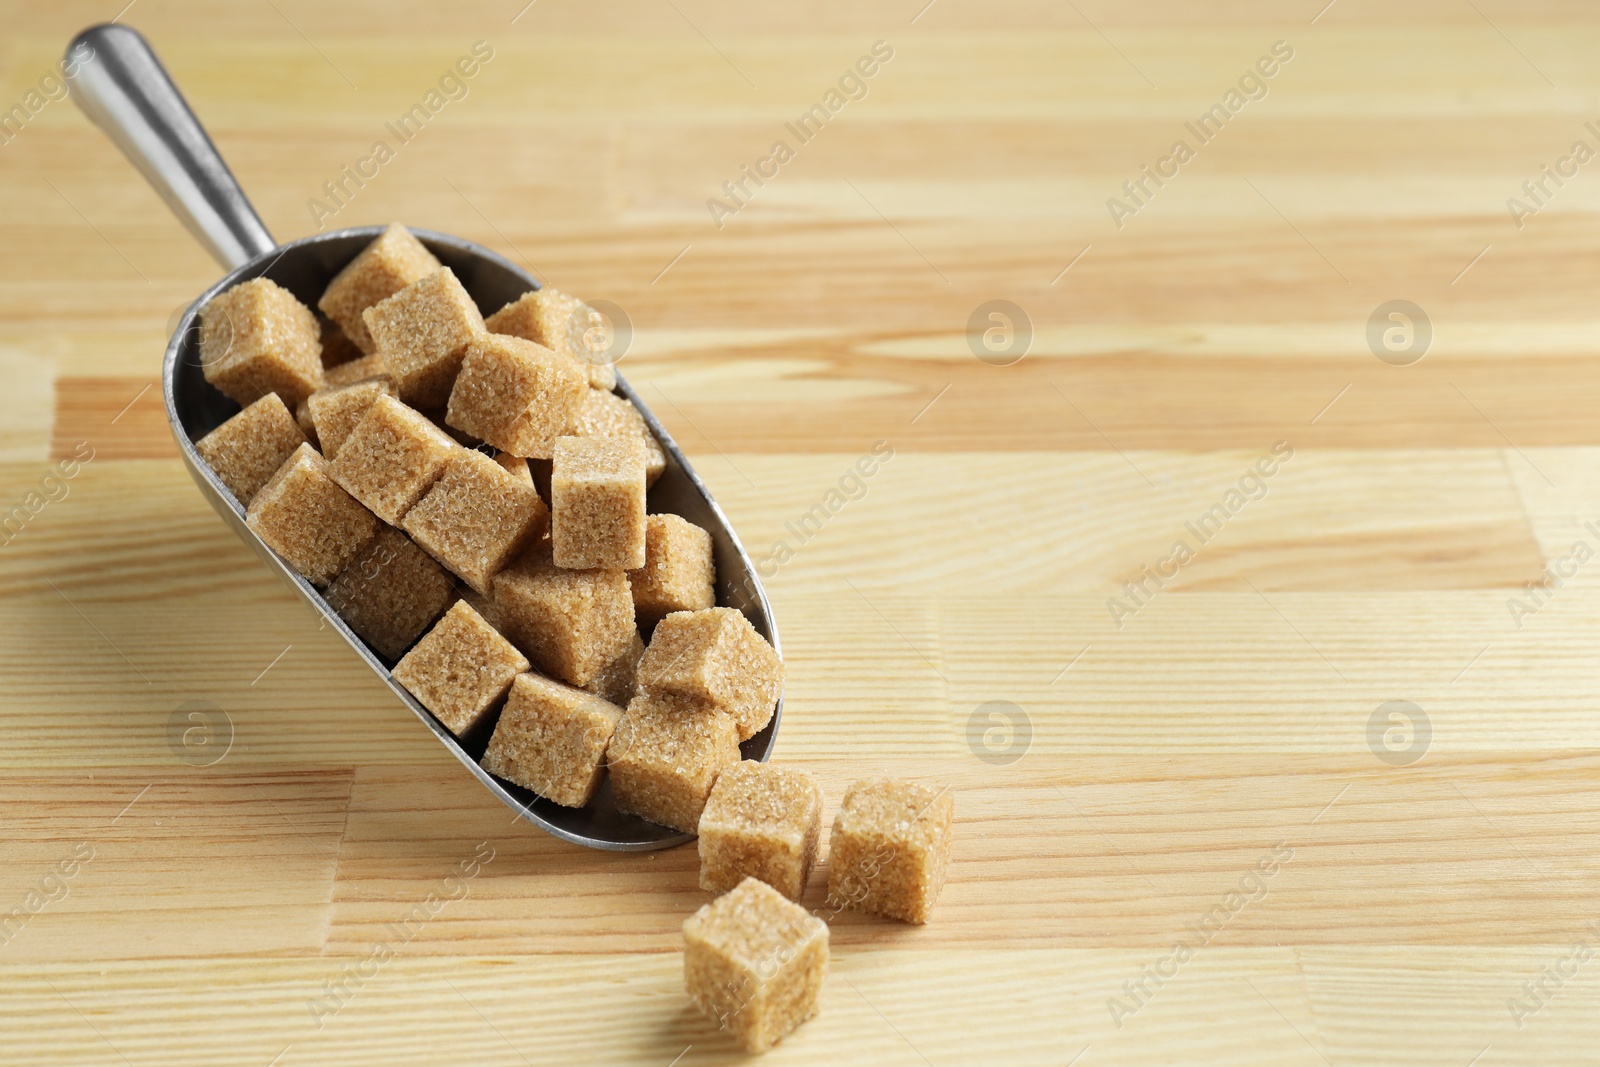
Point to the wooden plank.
(199, 864)
(110, 418)
(1095, 853)
(1197, 672)
(1282, 1006)
(1069, 524)
(844, 402)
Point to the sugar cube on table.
(460, 669)
(390, 592)
(335, 410)
(890, 848)
(562, 323)
(307, 518)
(391, 458)
(255, 339)
(666, 755)
(551, 738)
(679, 573)
(597, 507)
(761, 821)
(515, 394)
(247, 450)
(604, 414)
(572, 624)
(716, 658)
(754, 963)
(422, 332)
(477, 517)
(390, 263)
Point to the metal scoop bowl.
(124, 89)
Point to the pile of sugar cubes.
(754, 959)
(469, 495)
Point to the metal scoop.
(124, 89)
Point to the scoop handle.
(120, 84)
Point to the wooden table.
(1337, 751)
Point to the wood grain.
(846, 401)
(1173, 734)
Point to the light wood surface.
(1224, 721)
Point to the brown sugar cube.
(572, 624)
(754, 963)
(604, 414)
(565, 325)
(335, 410)
(255, 339)
(514, 394)
(515, 465)
(764, 822)
(890, 848)
(357, 370)
(390, 592)
(597, 502)
(422, 332)
(551, 738)
(383, 268)
(666, 755)
(715, 658)
(337, 348)
(304, 516)
(476, 518)
(391, 458)
(678, 572)
(460, 669)
(618, 680)
(247, 450)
